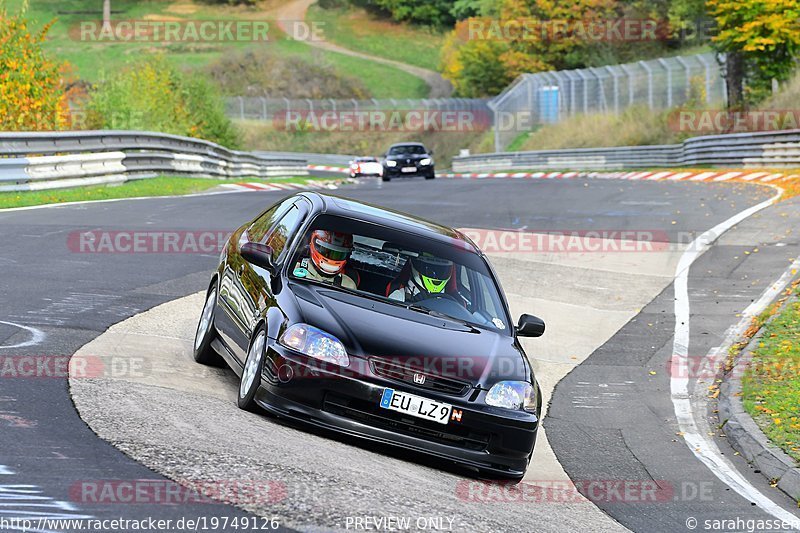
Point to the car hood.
(411, 158)
(374, 330)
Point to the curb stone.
(744, 434)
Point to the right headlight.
(512, 395)
(390, 163)
(315, 343)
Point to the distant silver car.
(365, 166)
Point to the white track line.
(702, 447)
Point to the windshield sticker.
(300, 272)
(498, 323)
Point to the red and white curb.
(326, 168)
(656, 175)
(277, 186)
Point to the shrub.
(262, 72)
(31, 85)
(153, 95)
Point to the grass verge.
(771, 383)
(160, 186)
(91, 60)
(357, 30)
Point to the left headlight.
(390, 163)
(512, 395)
(425, 162)
(315, 343)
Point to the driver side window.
(258, 231)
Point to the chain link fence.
(548, 97)
(272, 109)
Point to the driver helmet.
(330, 251)
(431, 274)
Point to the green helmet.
(430, 274)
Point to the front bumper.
(397, 172)
(493, 440)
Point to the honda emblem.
(419, 379)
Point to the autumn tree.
(31, 85)
(761, 39)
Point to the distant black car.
(409, 344)
(406, 160)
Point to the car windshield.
(410, 149)
(366, 160)
(427, 276)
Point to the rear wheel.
(203, 352)
(251, 374)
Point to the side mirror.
(530, 326)
(259, 255)
(430, 152)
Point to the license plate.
(417, 406)
(408, 169)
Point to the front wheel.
(251, 374)
(430, 175)
(385, 178)
(203, 352)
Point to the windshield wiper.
(438, 314)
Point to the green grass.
(382, 81)
(90, 60)
(357, 30)
(771, 384)
(160, 186)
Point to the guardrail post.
(241, 108)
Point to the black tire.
(251, 373)
(204, 353)
(430, 175)
(385, 178)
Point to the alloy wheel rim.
(205, 321)
(251, 365)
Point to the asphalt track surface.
(72, 298)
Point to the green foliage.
(262, 72)
(152, 95)
(435, 13)
(765, 34)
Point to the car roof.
(407, 144)
(336, 205)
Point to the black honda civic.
(375, 324)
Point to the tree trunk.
(734, 80)
(106, 15)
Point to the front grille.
(406, 374)
(371, 414)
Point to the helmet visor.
(433, 267)
(330, 251)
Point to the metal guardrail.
(51, 160)
(778, 149)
